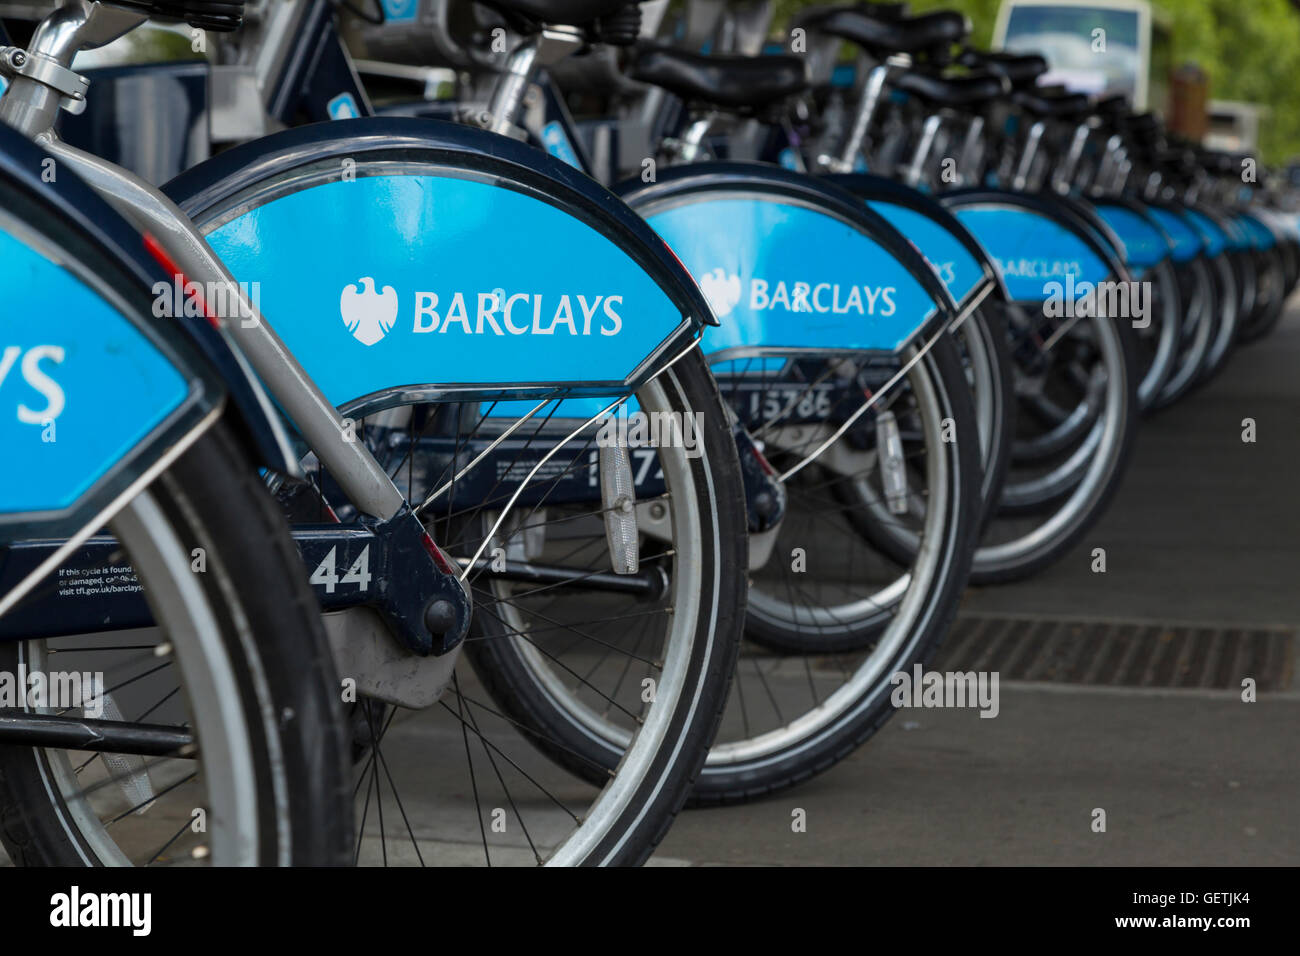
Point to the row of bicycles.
(422, 479)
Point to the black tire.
(270, 631)
(1224, 290)
(821, 745)
(990, 323)
(1270, 271)
(1077, 507)
(1203, 320)
(1157, 347)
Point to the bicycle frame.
(387, 519)
(431, 612)
(32, 107)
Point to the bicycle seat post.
(1113, 171)
(863, 115)
(1032, 142)
(928, 133)
(548, 47)
(42, 76)
(1064, 176)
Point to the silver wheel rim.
(185, 616)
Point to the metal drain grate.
(1121, 653)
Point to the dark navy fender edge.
(550, 179)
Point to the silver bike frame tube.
(972, 150)
(1063, 177)
(928, 132)
(548, 47)
(866, 111)
(1035, 136)
(363, 479)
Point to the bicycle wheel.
(986, 357)
(1157, 342)
(645, 656)
(898, 615)
(1223, 292)
(236, 676)
(981, 341)
(828, 632)
(512, 488)
(1051, 499)
(1200, 331)
(1270, 300)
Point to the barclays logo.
(1039, 268)
(370, 313)
(725, 291)
(722, 291)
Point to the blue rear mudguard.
(748, 231)
(466, 215)
(1262, 234)
(1187, 240)
(1038, 240)
(956, 256)
(1144, 241)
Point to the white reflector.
(618, 498)
(893, 470)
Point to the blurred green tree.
(1249, 48)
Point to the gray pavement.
(1204, 531)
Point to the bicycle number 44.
(326, 573)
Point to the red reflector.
(439, 559)
(163, 259)
(762, 460)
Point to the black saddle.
(882, 32)
(1052, 105)
(733, 82)
(1112, 106)
(879, 11)
(561, 12)
(1143, 128)
(956, 91)
(219, 16)
(1219, 162)
(1021, 70)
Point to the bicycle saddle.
(735, 82)
(1052, 105)
(884, 32)
(955, 91)
(1218, 162)
(560, 12)
(880, 11)
(1143, 129)
(1022, 70)
(1112, 106)
(219, 16)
